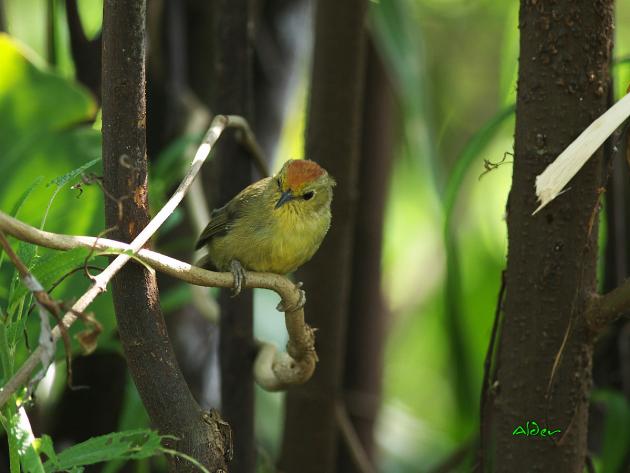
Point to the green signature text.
(532, 429)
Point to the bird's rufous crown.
(302, 171)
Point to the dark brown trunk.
(334, 120)
(563, 78)
(368, 315)
(231, 94)
(143, 334)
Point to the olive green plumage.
(274, 225)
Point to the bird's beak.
(284, 198)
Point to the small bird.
(274, 225)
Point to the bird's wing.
(222, 218)
(218, 225)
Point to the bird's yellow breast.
(274, 240)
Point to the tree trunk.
(143, 334)
(231, 94)
(543, 364)
(368, 314)
(310, 436)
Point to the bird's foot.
(300, 303)
(240, 277)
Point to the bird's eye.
(308, 195)
(279, 181)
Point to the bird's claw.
(240, 277)
(300, 303)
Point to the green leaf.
(7, 419)
(47, 448)
(6, 360)
(616, 439)
(20, 202)
(63, 180)
(41, 114)
(53, 154)
(31, 461)
(130, 445)
(45, 127)
(27, 253)
(91, 12)
(32, 96)
(18, 205)
(21, 437)
(14, 333)
(98, 120)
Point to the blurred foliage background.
(453, 64)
